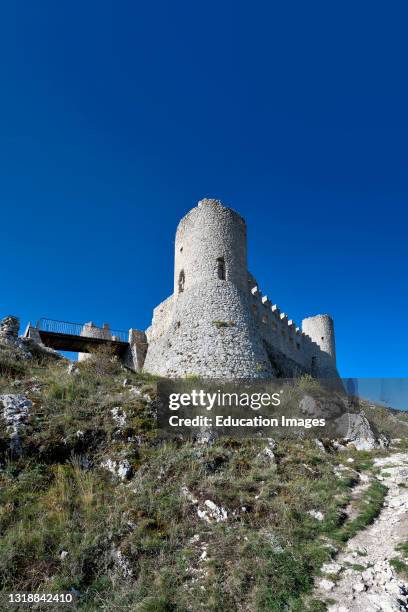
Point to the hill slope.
(94, 503)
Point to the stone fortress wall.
(217, 324)
(90, 330)
(135, 353)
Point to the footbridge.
(78, 337)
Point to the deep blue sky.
(116, 117)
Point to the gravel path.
(372, 584)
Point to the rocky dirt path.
(365, 579)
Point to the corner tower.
(206, 327)
(320, 329)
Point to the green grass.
(356, 566)
(370, 506)
(10, 365)
(401, 565)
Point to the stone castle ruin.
(90, 330)
(217, 323)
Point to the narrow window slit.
(181, 281)
(221, 268)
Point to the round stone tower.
(210, 245)
(207, 327)
(320, 329)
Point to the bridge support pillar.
(136, 352)
(33, 333)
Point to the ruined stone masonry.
(90, 330)
(9, 327)
(135, 353)
(217, 324)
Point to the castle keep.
(217, 324)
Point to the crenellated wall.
(312, 346)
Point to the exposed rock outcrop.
(15, 413)
(349, 428)
(120, 468)
(359, 433)
(9, 327)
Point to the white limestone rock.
(120, 468)
(357, 431)
(326, 585)
(331, 568)
(16, 410)
(316, 514)
(207, 510)
(119, 416)
(122, 563)
(213, 514)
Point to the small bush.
(102, 362)
(308, 384)
(220, 324)
(10, 363)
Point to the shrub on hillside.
(11, 364)
(102, 362)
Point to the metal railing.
(81, 329)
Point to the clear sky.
(117, 117)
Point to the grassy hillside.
(147, 540)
